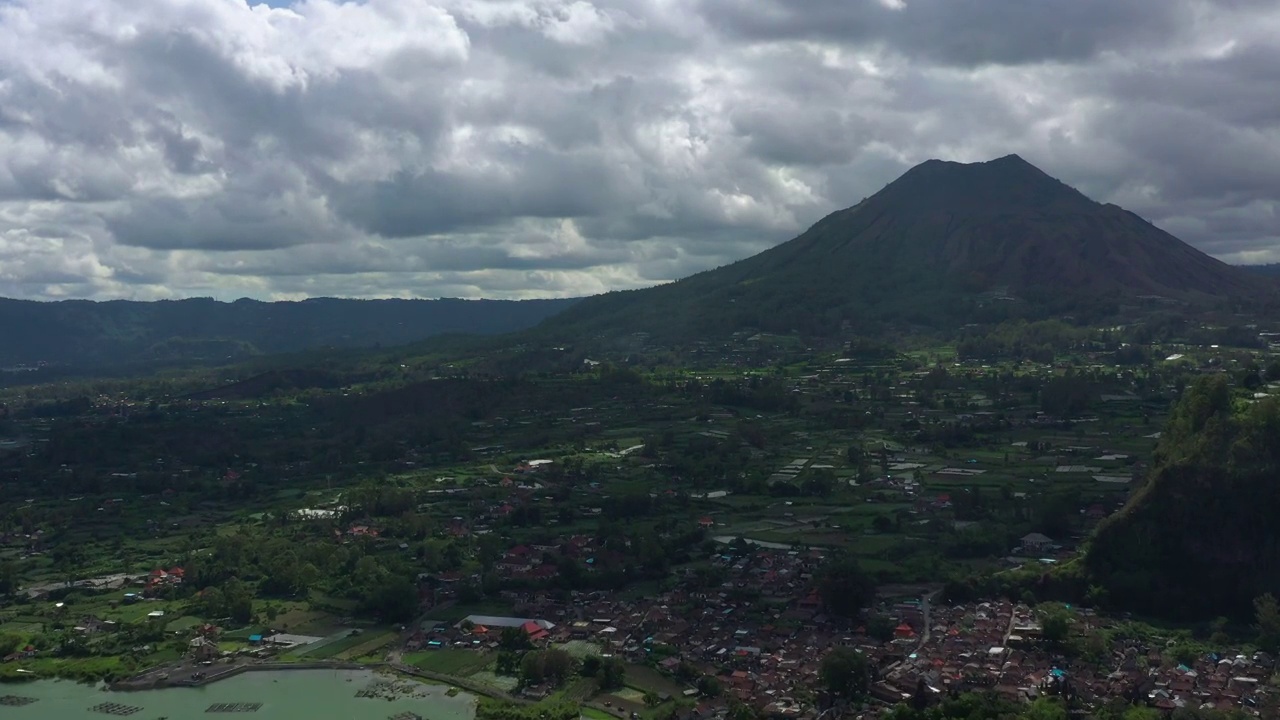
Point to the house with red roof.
(534, 631)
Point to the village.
(762, 634)
(676, 524)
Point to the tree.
(1251, 380)
(1046, 708)
(845, 672)
(881, 627)
(612, 675)
(514, 638)
(844, 587)
(394, 599)
(1055, 623)
(9, 643)
(1273, 371)
(1141, 713)
(508, 663)
(708, 686)
(820, 483)
(590, 666)
(1267, 614)
(557, 664)
(8, 578)
(533, 668)
(238, 600)
(1218, 631)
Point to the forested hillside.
(1199, 540)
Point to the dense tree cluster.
(845, 673)
(845, 587)
(1036, 341)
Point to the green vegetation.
(1196, 540)
(461, 663)
(488, 709)
(845, 673)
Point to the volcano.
(944, 241)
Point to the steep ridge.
(80, 332)
(1198, 539)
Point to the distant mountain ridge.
(1271, 270)
(201, 329)
(922, 251)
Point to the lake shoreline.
(156, 679)
(328, 690)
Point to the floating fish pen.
(15, 700)
(234, 708)
(115, 709)
(376, 690)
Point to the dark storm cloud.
(563, 147)
(539, 185)
(229, 222)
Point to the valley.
(645, 514)
(935, 476)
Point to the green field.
(183, 623)
(461, 663)
(325, 650)
(505, 683)
(581, 648)
(372, 644)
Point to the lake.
(280, 694)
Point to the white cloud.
(510, 148)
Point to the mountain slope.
(122, 332)
(921, 250)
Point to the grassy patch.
(630, 694)
(304, 621)
(371, 645)
(324, 651)
(85, 669)
(451, 662)
(505, 683)
(649, 680)
(581, 648)
(186, 622)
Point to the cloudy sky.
(508, 148)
